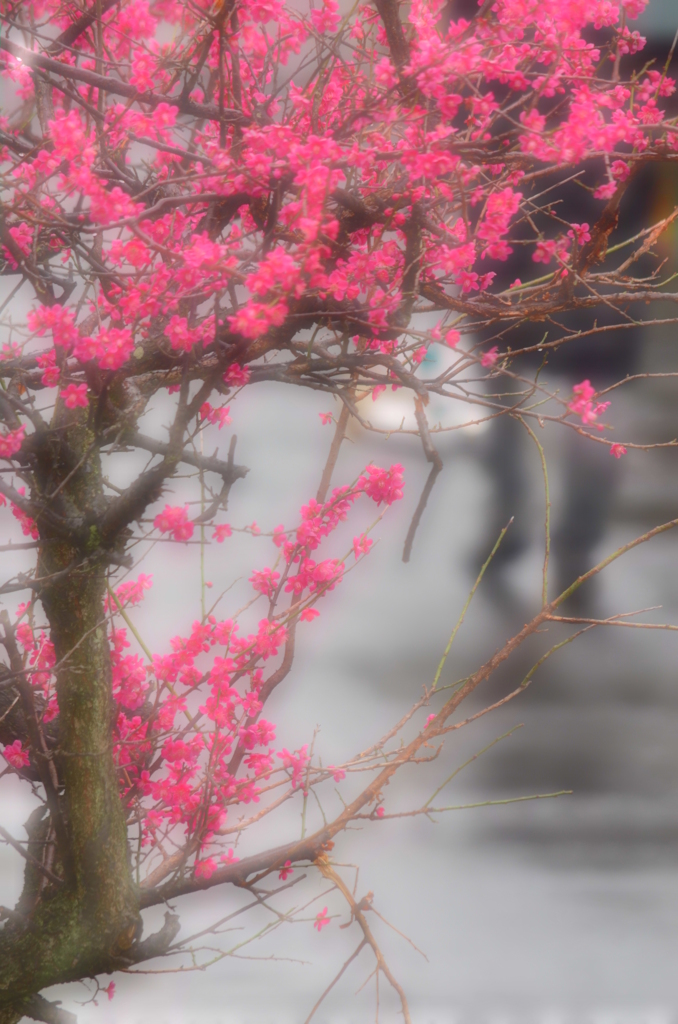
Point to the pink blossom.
(69, 136)
(634, 7)
(617, 450)
(361, 545)
(75, 396)
(380, 812)
(278, 271)
(18, 72)
(259, 734)
(286, 871)
(87, 349)
(134, 251)
(23, 236)
(107, 205)
(182, 338)
(605, 191)
(321, 920)
(453, 261)
(11, 442)
(203, 253)
(174, 521)
(47, 362)
(452, 338)
(116, 346)
(59, 319)
(15, 755)
(630, 42)
(176, 750)
(384, 73)
(110, 990)
(129, 680)
(217, 417)
(221, 532)
(620, 170)
(544, 251)
(469, 281)
(265, 581)
(144, 72)
(308, 614)
(205, 868)
(297, 762)
(315, 576)
(337, 773)
(490, 357)
(132, 591)
(270, 637)
(28, 526)
(584, 404)
(500, 208)
(237, 376)
(326, 417)
(580, 232)
(382, 485)
(256, 318)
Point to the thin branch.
(118, 88)
(80, 25)
(470, 760)
(326, 869)
(336, 978)
(38, 1008)
(468, 807)
(29, 858)
(433, 457)
(467, 603)
(41, 752)
(339, 434)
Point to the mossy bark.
(76, 929)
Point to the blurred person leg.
(504, 457)
(591, 480)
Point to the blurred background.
(555, 911)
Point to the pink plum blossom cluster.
(585, 404)
(190, 741)
(537, 55)
(215, 681)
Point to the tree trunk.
(83, 925)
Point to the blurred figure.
(590, 479)
(590, 476)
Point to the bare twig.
(433, 457)
(11, 841)
(326, 869)
(339, 434)
(331, 985)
